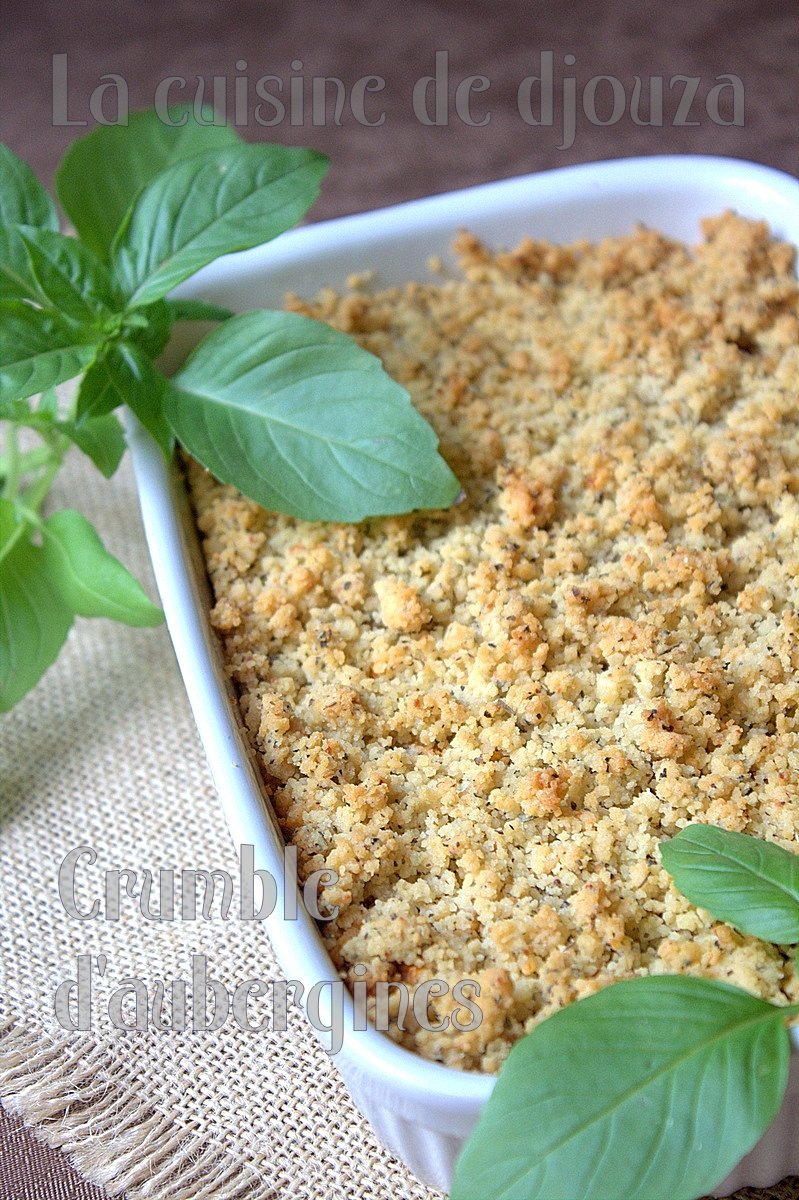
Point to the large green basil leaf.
(652, 1089)
(302, 420)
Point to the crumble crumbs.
(486, 719)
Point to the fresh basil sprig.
(293, 413)
(655, 1087)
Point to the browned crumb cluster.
(485, 720)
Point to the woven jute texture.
(104, 753)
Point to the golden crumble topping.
(486, 719)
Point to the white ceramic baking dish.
(421, 1110)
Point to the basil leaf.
(301, 419)
(144, 389)
(197, 310)
(16, 275)
(8, 525)
(23, 200)
(213, 204)
(64, 286)
(59, 273)
(34, 620)
(102, 439)
(652, 1089)
(42, 417)
(98, 394)
(90, 580)
(749, 883)
(38, 350)
(124, 375)
(101, 174)
(153, 335)
(17, 409)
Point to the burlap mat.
(105, 753)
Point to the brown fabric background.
(147, 41)
(30, 1169)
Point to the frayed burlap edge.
(61, 1085)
